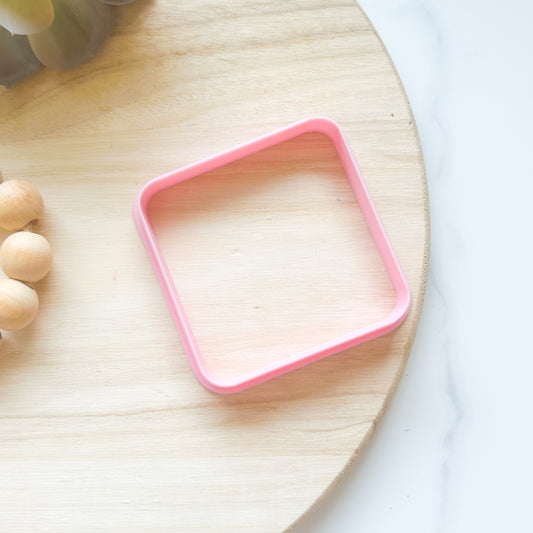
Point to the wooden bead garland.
(25, 257)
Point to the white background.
(454, 452)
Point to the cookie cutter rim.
(390, 322)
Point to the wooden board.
(102, 425)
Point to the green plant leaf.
(78, 30)
(17, 61)
(25, 17)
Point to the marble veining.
(452, 432)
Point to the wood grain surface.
(103, 426)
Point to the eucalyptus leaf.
(17, 60)
(79, 29)
(24, 17)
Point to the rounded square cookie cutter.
(381, 240)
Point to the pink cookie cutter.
(197, 362)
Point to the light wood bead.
(26, 256)
(20, 204)
(18, 304)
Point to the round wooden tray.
(104, 426)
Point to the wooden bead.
(20, 204)
(18, 304)
(26, 256)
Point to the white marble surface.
(454, 452)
